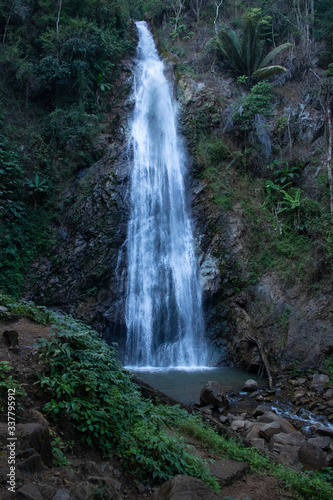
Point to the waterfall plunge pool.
(185, 384)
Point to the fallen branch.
(258, 343)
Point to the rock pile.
(263, 428)
(313, 392)
(36, 478)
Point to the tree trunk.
(217, 5)
(6, 28)
(58, 17)
(329, 156)
(255, 340)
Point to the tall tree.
(196, 8)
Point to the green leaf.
(269, 71)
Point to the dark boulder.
(184, 488)
(213, 394)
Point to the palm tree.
(246, 53)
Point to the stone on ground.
(213, 394)
(319, 380)
(312, 456)
(31, 465)
(227, 470)
(323, 442)
(250, 385)
(270, 416)
(35, 436)
(30, 491)
(286, 446)
(184, 488)
(62, 494)
(253, 431)
(258, 443)
(268, 430)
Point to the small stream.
(185, 385)
(302, 415)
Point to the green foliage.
(90, 389)
(281, 123)
(288, 173)
(328, 363)
(11, 182)
(289, 200)
(72, 60)
(324, 26)
(58, 448)
(27, 309)
(55, 81)
(71, 127)
(246, 54)
(37, 188)
(23, 238)
(282, 323)
(206, 435)
(309, 484)
(204, 122)
(258, 101)
(211, 152)
(8, 382)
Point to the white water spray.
(164, 318)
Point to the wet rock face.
(85, 272)
(294, 326)
(81, 276)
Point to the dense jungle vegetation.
(59, 61)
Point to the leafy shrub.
(8, 382)
(11, 181)
(22, 239)
(90, 389)
(72, 59)
(72, 127)
(257, 102)
(211, 152)
(58, 448)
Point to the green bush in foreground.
(91, 390)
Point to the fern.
(246, 53)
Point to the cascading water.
(164, 318)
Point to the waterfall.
(164, 318)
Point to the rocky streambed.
(292, 423)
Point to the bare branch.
(58, 17)
(217, 6)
